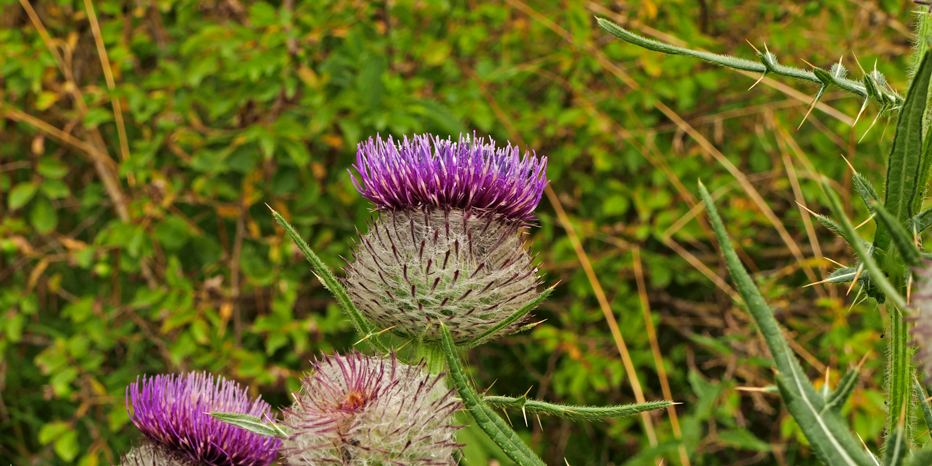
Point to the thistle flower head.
(362, 410)
(470, 174)
(172, 411)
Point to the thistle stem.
(900, 373)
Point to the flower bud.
(358, 409)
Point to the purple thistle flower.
(469, 174)
(358, 409)
(172, 411)
(448, 243)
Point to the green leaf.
(54, 189)
(252, 424)
(370, 80)
(21, 194)
(95, 116)
(486, 419)
(51, 431)
(743, 439)
(66, 445)
(573, 412)
(902, 196)
(902, 240)
(52, 168)
(43, 216)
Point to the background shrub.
(157, 254)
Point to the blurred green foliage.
(163, 257)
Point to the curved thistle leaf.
(825, 429)
(330, 282)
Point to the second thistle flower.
(448, 242)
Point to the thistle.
(172, 412)
(359, 410)
(922, 332)
(447, 242)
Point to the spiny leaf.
(864, 253)
(571, 412)
(895, 448)
(902, 240)
(923, 398)
(836, 400)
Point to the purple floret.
(469, 174)
(173, 410)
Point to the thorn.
(525, 416)
(807, 209)
(855, 301)
(858, 62)
(567, 461)
(849, 164)
(270, 207)
(816, 283)
(812, 106)
(875, 65)
(834, 261)
(865, 222)
(810, 64)
(761, 78)
(765, 48)
(861, 112)
(828, 371)
(856, 277)
(752, 46)
(402, 346)
(540, 423)
(528, 390)
(871, 126)
(508, 417)
(863, 360)
(385, 330)
(867, 449)
(490, 387)
(909, 287)
(884, 133)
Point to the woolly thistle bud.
(448, 241)
(173, 412)
(922, 332)
(362, 410)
